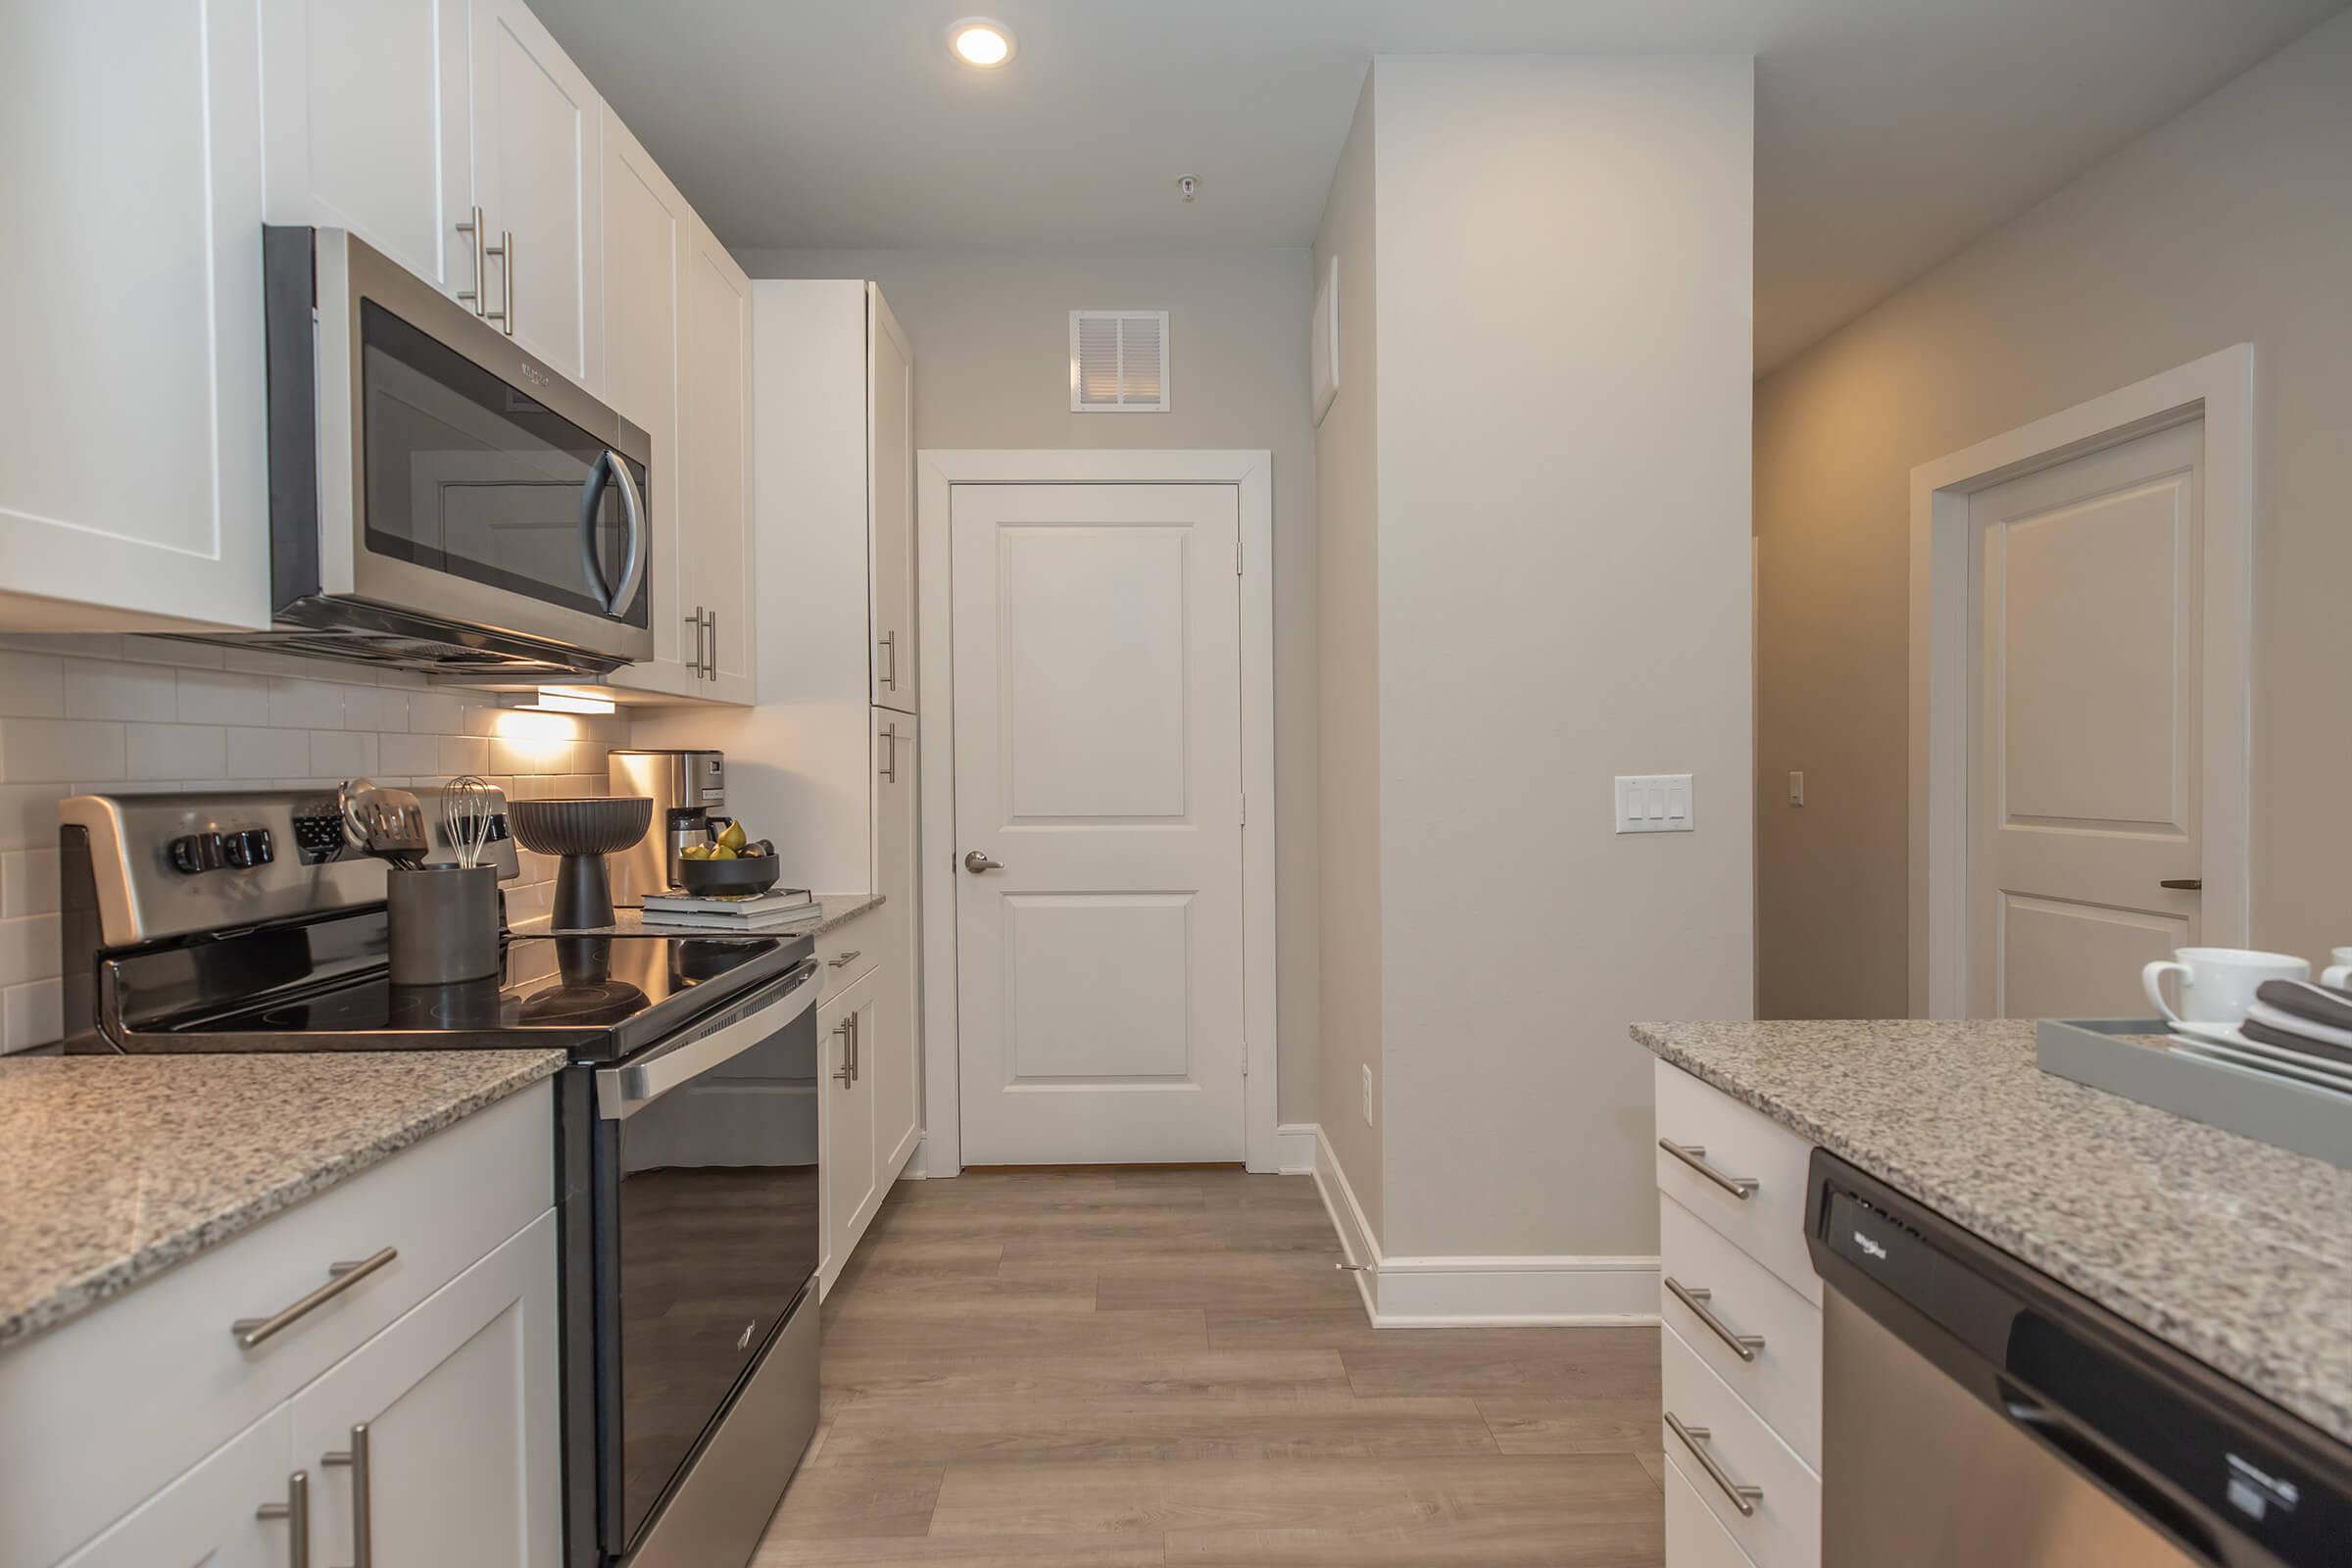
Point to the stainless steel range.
(685, 1136)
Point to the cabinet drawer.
(1768, 1221)
(1785, 1529)
(1695, 1536)
(165, 1348)
(849, 954)
(1783, 1382)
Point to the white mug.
(2218, 984)
(2339, 974)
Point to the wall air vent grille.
(1119, 362)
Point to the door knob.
(2183, 884)
(975, 861)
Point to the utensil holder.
(444, 923)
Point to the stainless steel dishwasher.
(1977, 1414)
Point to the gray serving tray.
(2274, 1110)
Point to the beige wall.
(2232, 224)
(1564, 323)
(1347, 562)
(991, 336)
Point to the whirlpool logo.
(1870, 1248)
(535, 375)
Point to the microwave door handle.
(632, 503)
(607, 468)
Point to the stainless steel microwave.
(440, 500)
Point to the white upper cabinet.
(537, 176)
(646, 224)
(132, 480)
(716, 459)
(368, 124)
(890, 458)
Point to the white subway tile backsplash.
(31, 1014)
(32, 685)
(434, 712)
(29, 815)
(257, 756)
(223, 697)
(462, 754)
(299, 704)
(28, 948)
(412, 755)
(55, 750)
(177, 752)
(173, 651)
(378, 707)
(27, 882)
(342, 754)
(106, 688)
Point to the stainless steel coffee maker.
(689, 792)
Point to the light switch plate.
(1655, 802)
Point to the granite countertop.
(114, 1169)
(2236, 1251)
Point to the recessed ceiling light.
(981, 41)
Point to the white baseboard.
(1478, 1292)
(1295, 1144)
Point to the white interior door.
(1098, 760)
(2085, 588)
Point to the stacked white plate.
(2226, 1046)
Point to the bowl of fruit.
(733, 862)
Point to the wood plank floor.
(1144, 1368)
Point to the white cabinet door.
(894, 1059)
(890, 500)
(645, 227)
(209, 1517)
(536, 175)
(716, 447)
(447, 1424)
(365, 118)
(134, 480)
(852, 1194)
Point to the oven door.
(706, 1172)
(461, 479)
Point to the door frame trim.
(2219, 388)
(936, 473)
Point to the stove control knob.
(247, 848)
(197, 851)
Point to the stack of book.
(777, 909)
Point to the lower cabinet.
(412, 1419)
(214, 1517)
(853, 1187)
(437, 1441)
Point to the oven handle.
(624, 1090)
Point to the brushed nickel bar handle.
(846, 959)
(476, 295)
(504, 251)
(296, 1512)
(1744, 1498)
(694, 666)
(341, 1277)
(890, 672)
(362, 1543)
(2183, 884)
(844, 1075)
(890, 738)
(857, 1049)
(710, 667)
(1697, 1297)
(1695, 1155)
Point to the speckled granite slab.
(2236, 1251)
(114, 1169)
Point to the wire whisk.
(470, 808)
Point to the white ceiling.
(1889, 133)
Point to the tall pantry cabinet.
(833, 734)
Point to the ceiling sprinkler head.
(1189, 185)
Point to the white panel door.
(2084, 710)
(536, 174)
(366, 110)
(209, 1517)
(460, 1459)
(1098, 760)
(890, 500)
(132, 375)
